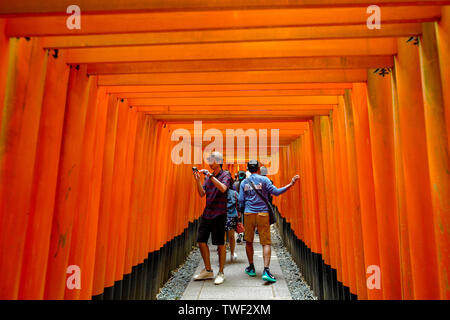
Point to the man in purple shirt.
(214, 216)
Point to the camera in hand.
(194, 169)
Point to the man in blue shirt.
(257, 215)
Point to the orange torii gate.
(87, 117)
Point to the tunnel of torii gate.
(92, 95)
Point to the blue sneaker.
(250, 271)
(267, 276)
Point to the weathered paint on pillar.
(4, 56)
(404, 247)
(44, 181)
(67, 183)
(443, 43)
(366, 184)
(382, 144)
(421, 231)
(438, 151)
(105, 196)
(18, 141)
(355, 207)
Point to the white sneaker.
(219, 278)
(204, 275)
(233, 257)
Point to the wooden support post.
(343, 272)
(133, 204)
(416, 173)
(443, 43)
(366, 184)
(404, 245)
(347, 216)
(438, 150)
(125, 203)
(80, 227)
(117, 191)
(67, 183)
(105, 197)
(382, 144)
(354, 197)
(330, 188)
(322, 222)
(18, 142)
(4, 56)
(314, 215)
(321, 191)
(94, 196)
(44, 181)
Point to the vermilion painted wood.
(325, 131)
(374, 174)
(355, 206)
(68, 182)
(338, 145)
(28, 7)
(152, 186)
(348, 224)
(105, 197)
(44, 181)
(18, 141)
(438, 151)
(415, 171)
(382, 144)
(117, 191)
(125, 207)
(4, 55)
(405, 259)
(209, 20)
(80, 229)
(94, 197)
(323, 218)
(228, 35)
(134, 191)
(315, 219)
(227, 87)
(365, 182)
(443, 34)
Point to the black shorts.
(215, 226)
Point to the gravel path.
(299, 289)
(174, 288)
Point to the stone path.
(238, 285)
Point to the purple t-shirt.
(216, 201)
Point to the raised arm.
(277, 191)
(198, 184)
(222, 187)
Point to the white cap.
(263, 171)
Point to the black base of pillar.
(148, 277)
(322, 278)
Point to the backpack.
(232, 201)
